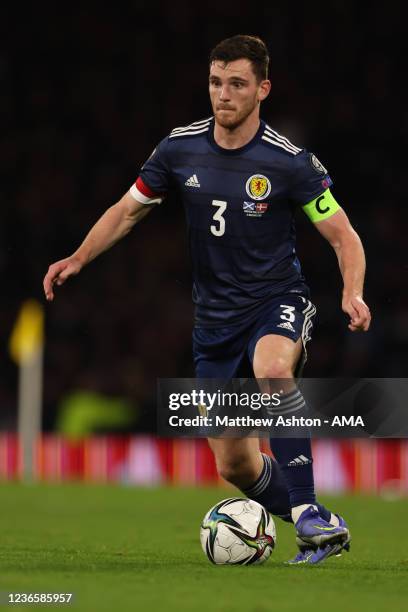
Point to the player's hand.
(58, 273)
(358, 311)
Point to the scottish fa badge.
(258, 187)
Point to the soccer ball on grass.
(237, 531)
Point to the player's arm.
(333, 224)
(111, 227)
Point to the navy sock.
(294, 455)
(270, 490)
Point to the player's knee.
(277, 368)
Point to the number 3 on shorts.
(288, 313)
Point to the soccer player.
(240, 182)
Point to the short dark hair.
(243, 46)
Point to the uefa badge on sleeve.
(317, 165)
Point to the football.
(238, 531)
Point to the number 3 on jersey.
(218, 230)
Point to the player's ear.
(264, 88)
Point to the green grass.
(138, 549)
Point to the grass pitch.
(138, 549)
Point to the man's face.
(235, 92)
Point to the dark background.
(87, 93)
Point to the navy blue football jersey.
(239, 206)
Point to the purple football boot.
(313, 554)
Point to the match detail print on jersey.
(322, 207)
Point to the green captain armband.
(322, 207)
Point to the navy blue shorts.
(228, 352)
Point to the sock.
(298, 510)
(294, 455)
(326, 515)
(270, 490)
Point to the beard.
(231, 119)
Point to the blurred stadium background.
(86, 96)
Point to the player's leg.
(240, 462)
(274, 362)
(220, 354)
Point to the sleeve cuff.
(144, 199)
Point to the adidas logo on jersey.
(301, 460)
(286, 325)
(192, 181)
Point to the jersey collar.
(249, 145)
